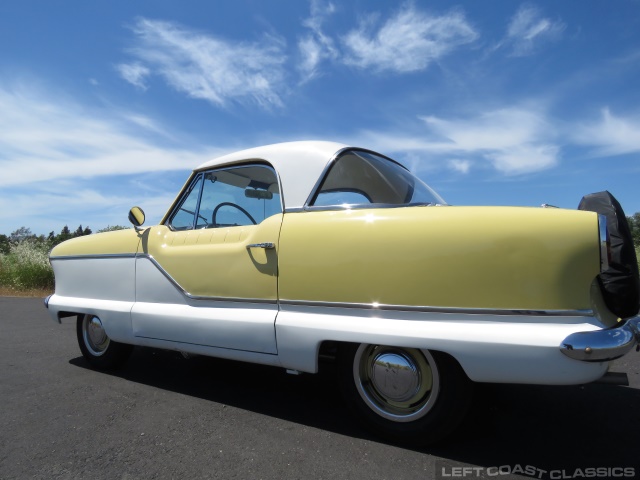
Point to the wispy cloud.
(461, 166)
(57, 203)
(316, 46)
(206, 67)
(55, 156)
(407, 42)
(527, 29)
(42, 138)
(610, 135)
(134, 73)
(512, 141)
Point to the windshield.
(364, 178)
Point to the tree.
(634, 225)
(65, 234)
(4, 244)
(20, 235)
(111, 228)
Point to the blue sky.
(106, 105)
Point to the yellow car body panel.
(461, 257)
(218, 262)
(106, 243)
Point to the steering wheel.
(229, 204)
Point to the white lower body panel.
(163, 312)
(501, 349)
(115, 315)
(227, 353)
(237, 326)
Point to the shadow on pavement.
(550, 428)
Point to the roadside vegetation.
(24, 260)
(24, 257)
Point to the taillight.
(605, 243)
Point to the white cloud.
(43, 139)
(134, 73)
(514, 140)
(528, 28)
(209, 68)
(316, 46)
(56, 158)
(407, 42)
(147, 124)
(461, 166)
(526, 158)
(610, 135)
(51, 206)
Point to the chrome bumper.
(602, 345)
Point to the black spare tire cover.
(620, 283)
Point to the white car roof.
(298, 164)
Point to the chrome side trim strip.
(208, 346)
(428, 309)
(94, 256)
(200, 297)
(368, 206)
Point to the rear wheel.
(97, 348)
(404, 394)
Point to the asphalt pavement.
(164, 416)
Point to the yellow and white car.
(280, 254)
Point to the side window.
(341, 197)
(184, 215)
(231, 197)
(363, 178)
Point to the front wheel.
(97, 348)
(408, 395)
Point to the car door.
(208, 274)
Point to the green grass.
(26, 267)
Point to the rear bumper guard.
(603, 345)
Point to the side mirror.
(136, 216)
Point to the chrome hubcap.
(395, 376)
(399, 384)
(95, 338)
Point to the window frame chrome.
(180, 201)
(316, 188)
(201, 173)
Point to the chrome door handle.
(265, 245)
